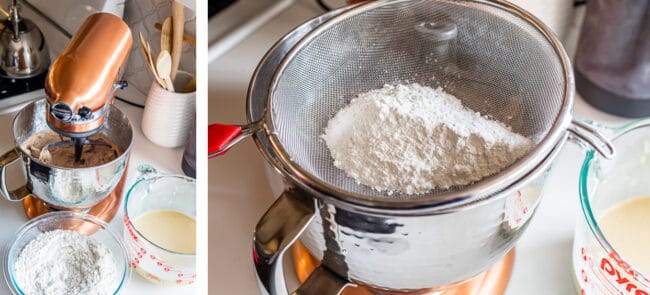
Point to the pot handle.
(222, 137)
(593, 137)
(276, 231)
(17, 194)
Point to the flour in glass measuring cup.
(413, 138)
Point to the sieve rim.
(482, 190)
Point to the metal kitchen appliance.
(82, 81)
(612, 61)
(79, 89)
(493, 55)
(24, 58)
(23, 51)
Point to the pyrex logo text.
(629, 286)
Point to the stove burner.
(11, 87)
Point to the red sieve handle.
(220, 136)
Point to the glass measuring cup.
(604, 184)
(154, 191)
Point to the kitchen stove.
(16, 93)
(230, 21)
(14, 87)
(215, 7)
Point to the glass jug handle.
(590, 135)
(147, 171)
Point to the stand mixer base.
(491, 282)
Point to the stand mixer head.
(82, 80)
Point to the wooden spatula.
(164, 67)
(146, 51)
(178, 25)
(166, 35)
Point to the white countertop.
(239, 193)
(143, 151)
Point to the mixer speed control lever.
(61, 112)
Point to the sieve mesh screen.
(495, 61)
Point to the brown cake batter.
(93, 155)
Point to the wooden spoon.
(164, 67)
(166, 35)
(187, 39)
(146, 51)
(178, 23)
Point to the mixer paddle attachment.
(78, 148)
(78, 143)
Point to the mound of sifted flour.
(65, 262)
(413, 138)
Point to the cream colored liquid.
(171, 230)
(627, 228)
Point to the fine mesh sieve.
(494, 57)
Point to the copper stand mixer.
(79, 88)
(82, 80)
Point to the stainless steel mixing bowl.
(59, 187)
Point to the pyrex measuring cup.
(154, 191)
(603, 184)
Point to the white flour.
(66, 262)
(412, 139)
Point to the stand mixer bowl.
(59, 187)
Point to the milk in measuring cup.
(626, 227)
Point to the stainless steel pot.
(388, 251)
(393, 244)
(65, 188)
